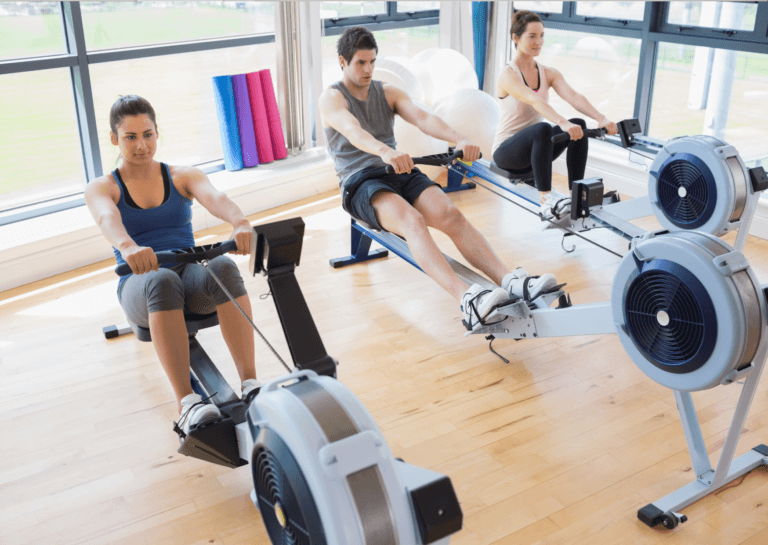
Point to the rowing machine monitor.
(585, 194)
(628, 128)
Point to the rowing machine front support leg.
(361, 250)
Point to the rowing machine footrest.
(584, 195)
(611, 197)
(215, 443)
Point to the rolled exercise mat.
(273, 115)
(225, 109)
(259, 114)
(245, 121)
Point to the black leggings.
(532, 149)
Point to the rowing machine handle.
(590, 133)
(187, 255)
(438, 160)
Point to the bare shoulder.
(551, 73)
(332, 98)
(103, 186)
(394, 95)
(184, 173)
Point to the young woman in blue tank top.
(144, 207)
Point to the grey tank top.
(375, 117)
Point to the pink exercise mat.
(273, 116)
(260, 121)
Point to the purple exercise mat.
(245, 121)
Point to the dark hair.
(520, 22)
(129, 105)
(354, 39)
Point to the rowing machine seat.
(515, 176)
(194, 322)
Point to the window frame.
(382, 21)
(652, 31)
(78, 60)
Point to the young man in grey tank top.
(358, 118)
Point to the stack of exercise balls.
(249, 121)
(440, 81)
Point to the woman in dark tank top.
(144, 206)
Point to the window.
(602, 68)
(541, 7)
(401, 42)
(57, 99)
(725, 15)
(40, 155)
(30, 30)
(612, 10)
(181, 92)
(337, 10)
(726, 106)
(110, 25)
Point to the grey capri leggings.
(185, 286)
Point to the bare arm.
(578, 101)
(100, 196)
(429, 123)
(197, 185)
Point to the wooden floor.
(562, 445)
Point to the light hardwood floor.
(562, 445)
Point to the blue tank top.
(162, 228)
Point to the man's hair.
(129, 105)
(354, 39)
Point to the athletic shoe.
(478, 302)
(520, 284)
(251, 386)
(555, 207)
(195, 412)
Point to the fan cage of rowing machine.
(709, 297)
(330, 469)
(704, 165)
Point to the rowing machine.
(322, 471)
(691, 314)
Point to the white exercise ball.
(442, 72)
(411, 85)
(399, 72)
(416, 144)
(474, 114)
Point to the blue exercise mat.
(225, 109)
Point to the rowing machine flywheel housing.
(324, 475)
(688, 310)
(698, 183)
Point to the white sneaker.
(555, 207)
(249, 386)
(520, 284)
(478, 302)
(194, 412)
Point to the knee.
(164, 291)
(413, 221)
(225, 270)
(450, 219)
(578, 121)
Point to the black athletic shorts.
(359, 189)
